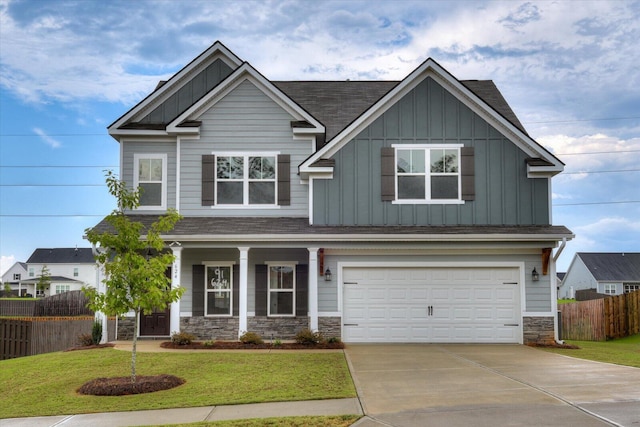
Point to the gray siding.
(430, 115)
(245, 120)
(188, 94)
(151, 147)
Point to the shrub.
(308, 337)
(333, 340)
(85, 340)
(209, 343)
(251, 338)
(182, 338)
(277, 342)
(96, 332)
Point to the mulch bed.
(555, 345)
(87, 347)
(237, 345)
(122, 386)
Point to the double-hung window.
(282, 290)
(150, 176)
(218, 290)
(62, 288)
(610, 288)
(246, 180)
(631, 287)
(428, 173)
(16, 276)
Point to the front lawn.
(320, 421)
(623, 351)
(46, 384)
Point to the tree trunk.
(133, 348)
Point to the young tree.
(44, 281)
(134, 263)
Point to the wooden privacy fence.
(601, 319)
(73, 303)
(36, 335)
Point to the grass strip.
(623, 351)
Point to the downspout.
(554, 301)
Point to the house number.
(219, 281)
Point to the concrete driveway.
(489, 385)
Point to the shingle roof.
(608, 266)
(61, 256)
(213, 227)
(338, 103)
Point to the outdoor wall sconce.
(327, 275)
(534, 275)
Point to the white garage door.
(420, 304)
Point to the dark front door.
(156, 323)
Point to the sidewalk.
(192, 415)
(189, 415)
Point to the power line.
(597, 152)
(590, 172)
(595, 203)
(57, 166)
(585, 120)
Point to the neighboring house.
(375, 211)
(607, 273)
(13, 276)
(70, 269)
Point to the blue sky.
(70, 68)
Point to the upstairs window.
(246, 180)
(427, 174)
(31, 272)
(17, 276)
(150, 176)
(75, 272)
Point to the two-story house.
(69, 269)
(376, 211)
(13, 276)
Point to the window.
(427, 173)
(246, 180)
(282, 287)
(150, 176)
(631, 287)
(62, 288)
(31, 272)
(75, 272)
(218, 290)
(16, 276)
(610, 288)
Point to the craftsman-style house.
(374, 211)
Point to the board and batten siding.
(431, 115)
(245, 120)
(150, 146)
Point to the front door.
(157, 323)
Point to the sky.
(68, 69)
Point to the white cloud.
(6, 262)
(50, 141)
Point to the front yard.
(46, 384)
(623, 351)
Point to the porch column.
(313, 289)
(100, 316)
(174, 321)
(242, 292)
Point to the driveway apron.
(490, 385)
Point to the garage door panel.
(431, 305)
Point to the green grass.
(46, 384)
(566, 301)
(327, 421)
(623, 351)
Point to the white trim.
(313, 288)
(329, 314)
(178, 171)
(243, 289)
(164, 182)
(538, 314)
(245, 180)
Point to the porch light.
(327, 275)
(534, 275)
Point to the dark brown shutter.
(197, 289)
(261, 289)
(236, 290)
(302, 290)
(208, 179)
(467, 173)
(388, 169)
(284, 179)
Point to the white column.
(100, 316)
(313, 289)
(176, 273)
(244, 275)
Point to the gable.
(548, 166)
